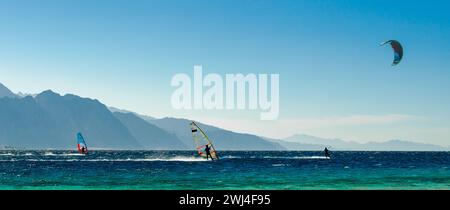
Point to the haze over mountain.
(145, 117)
(49, 120)
(313, 143)
(223, 139)
(148, 135)
(179, 128)
(312, 140)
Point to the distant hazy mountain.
(114, 109)
(298, 141)
(145, 117)
(24, 123)
(49, 120)
(223, 139)
(148, 135)
(179, 127)
(5, 92)
(312, 140)
(399, 145)
(22, 95)
(52, 121)
(297, 146)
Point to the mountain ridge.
(5, 92)
(229, 140)
(51, 120)
(338, 144)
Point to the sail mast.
(206, 137)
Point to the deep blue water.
(236, 170)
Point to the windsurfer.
(81, 144)
(208, 152)
(327, 153)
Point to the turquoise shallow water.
(164, 170)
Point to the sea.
(236, 170)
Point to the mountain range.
(49, 120)
(5, 92)
(306, 142)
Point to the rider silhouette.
(208, 152)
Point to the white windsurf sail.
(201, 141)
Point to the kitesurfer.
(327, 153)
(208, 152)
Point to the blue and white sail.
(81, 144)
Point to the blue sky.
(335, 81)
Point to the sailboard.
(201, 140)
(81, 144)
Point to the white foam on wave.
(143, 160)
(230, 157)
(176, 158)
(280, 165)
(173, 159)
(7, 154)
(73, 154)
(311, 157)
(295, 157)
(63, 154)
(155, 158)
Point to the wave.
(177, 158)
(280, 165)
(230, 157)
(174, 159)
(11, 154)
(273, 157)
(63, 154)
(311, 157)
(150, 158)
(294, 157)
(73, 154)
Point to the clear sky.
(335, 80)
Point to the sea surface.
(168, 170)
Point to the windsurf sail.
(81, 144)
(201, 140)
